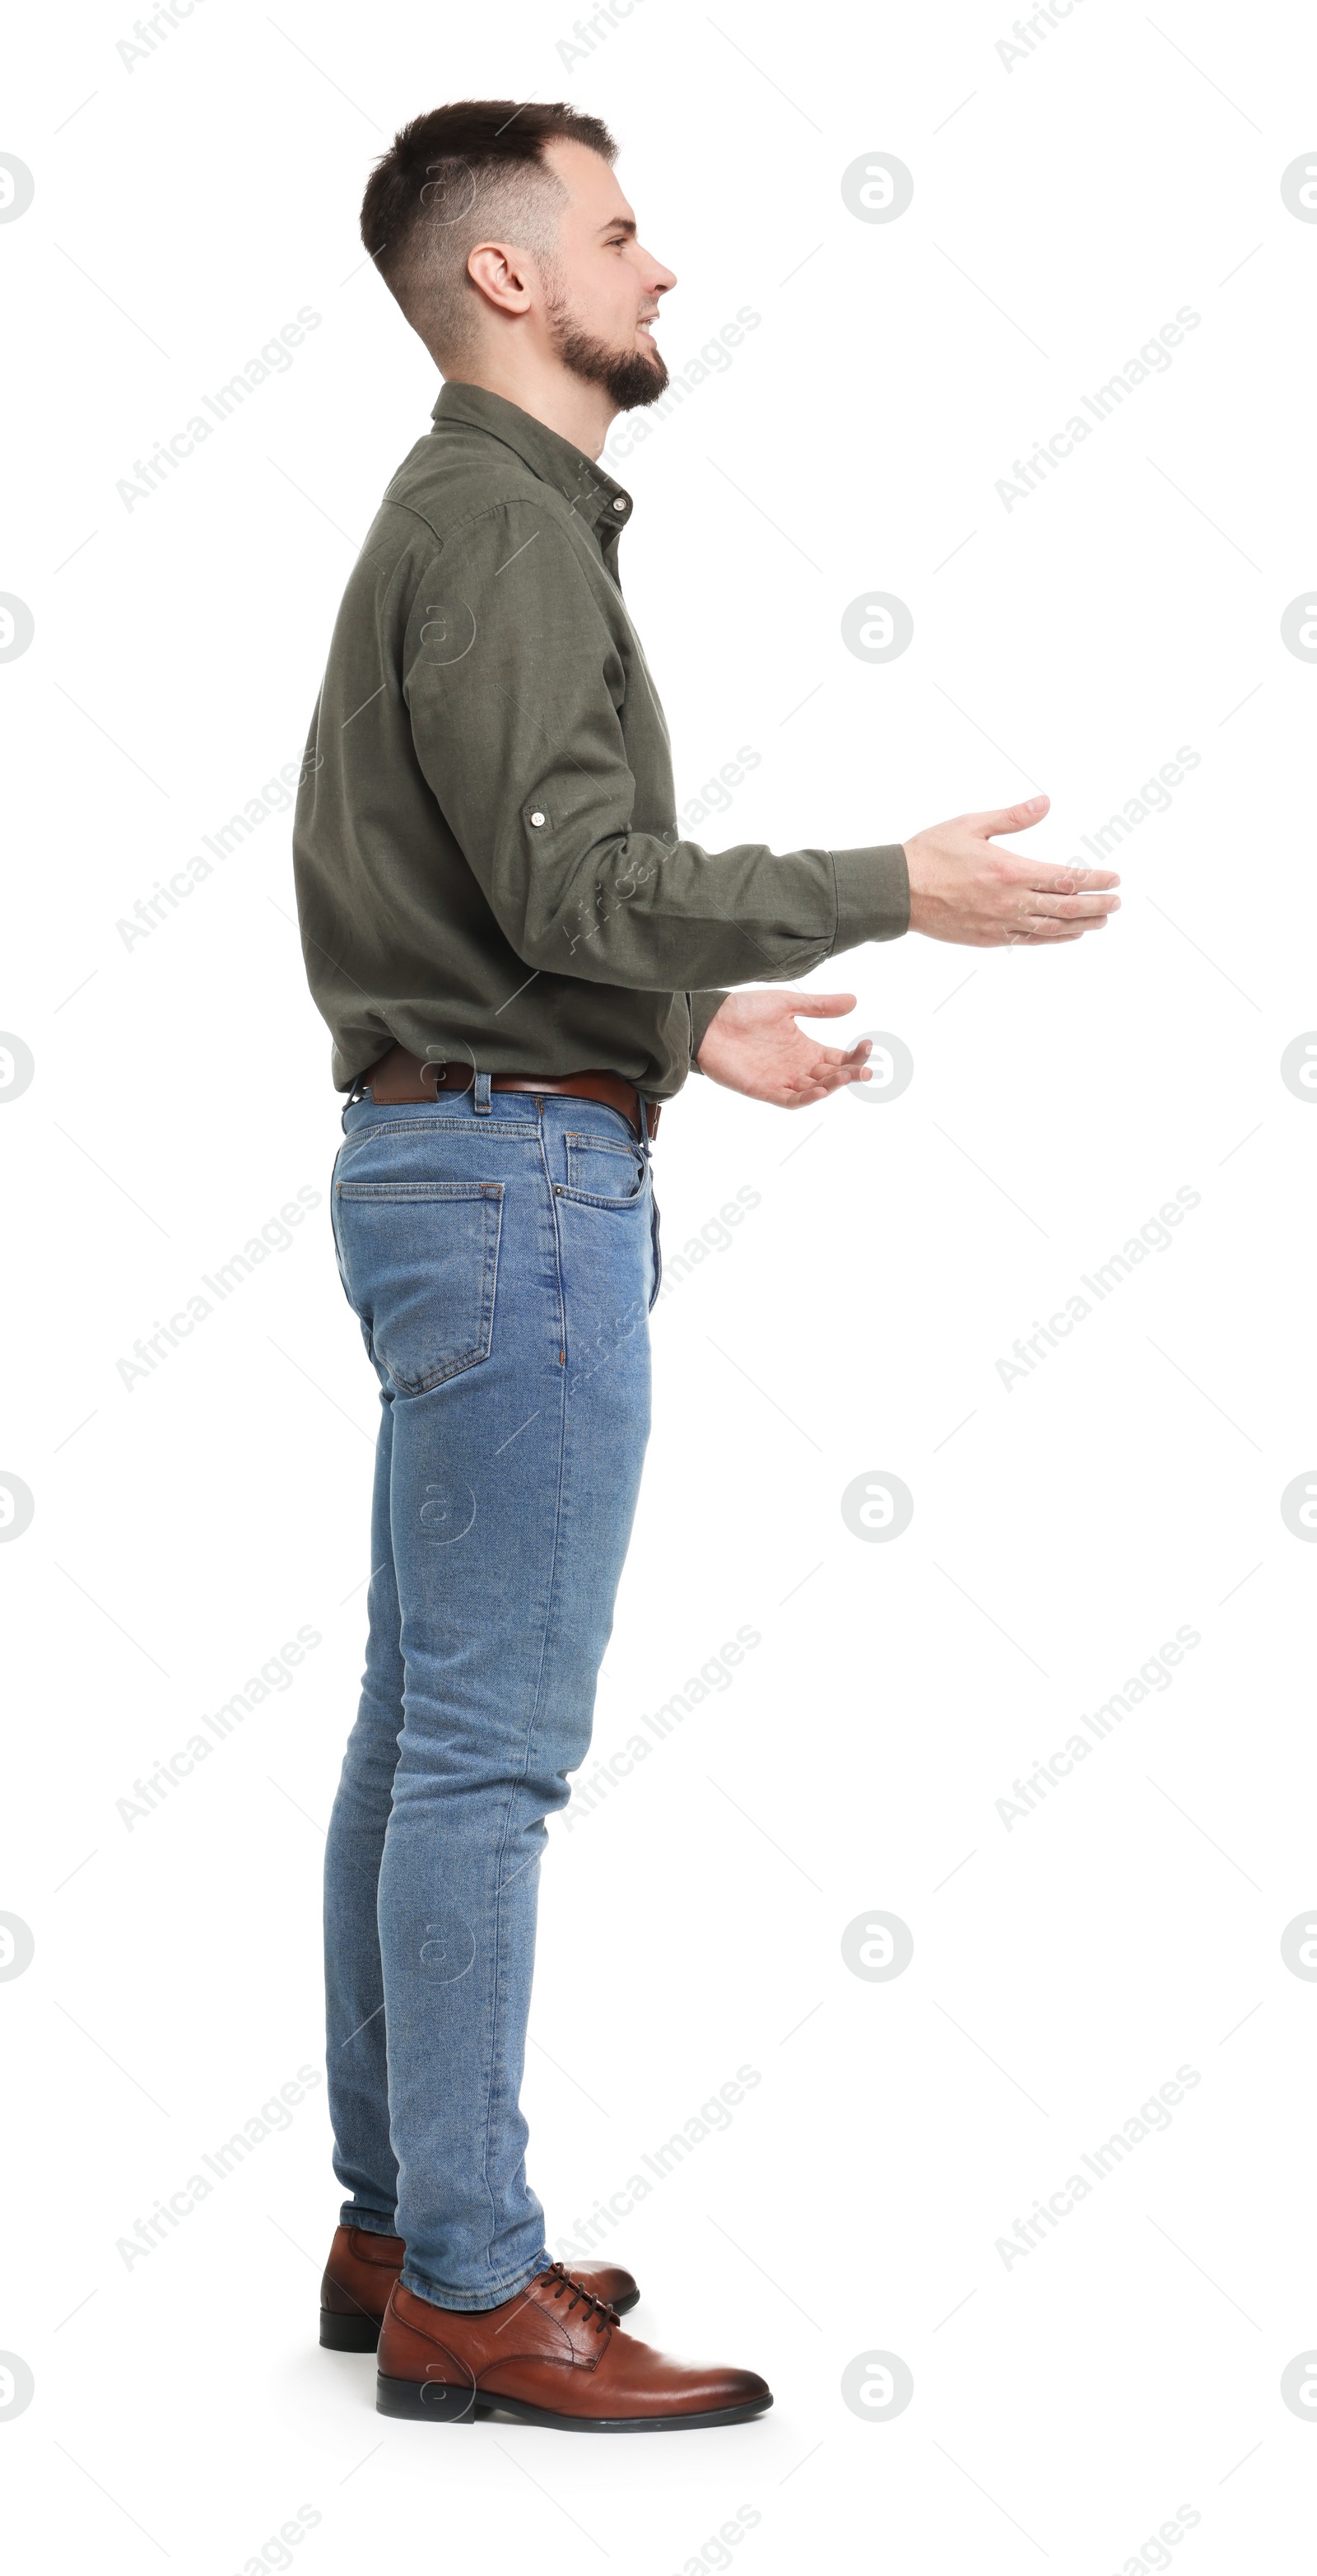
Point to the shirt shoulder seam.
(490, 509)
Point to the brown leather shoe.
(363, 2267)
(554, 2354)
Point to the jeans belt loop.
(480, 1103)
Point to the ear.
(501, 275)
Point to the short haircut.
(461, 175)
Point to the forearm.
(631, 909)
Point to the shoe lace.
(562, 2280)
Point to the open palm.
(754, 1044)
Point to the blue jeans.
(501, 1254)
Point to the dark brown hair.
(447, 180)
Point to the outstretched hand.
(754, 1044)
(964, 890)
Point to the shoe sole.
(362, 2334)
(433, 2401)
(348, 2334)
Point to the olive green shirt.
(486, 847)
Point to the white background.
(1064, 208)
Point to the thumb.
(820, 1006)
(1011, 818)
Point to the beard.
(629, 378)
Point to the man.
(520, 959)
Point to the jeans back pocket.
(600, 1170)
(420, 1265)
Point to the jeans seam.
(591, 1199)
(495, 2064)
(557, 1245)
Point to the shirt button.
(537, 818)
(619, 503)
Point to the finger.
(1069, 907)
(820, 1006)
(1039, 933)
(836, 1077)
(1009, 818)
(814, 1086)
(1076, 880)
(857, 1055)
(1041, 925)
(1042, 879)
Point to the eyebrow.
(620, 224)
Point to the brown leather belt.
(399, 1077)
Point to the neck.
(579, 412)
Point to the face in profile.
(603, 287)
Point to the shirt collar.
(593, 494)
